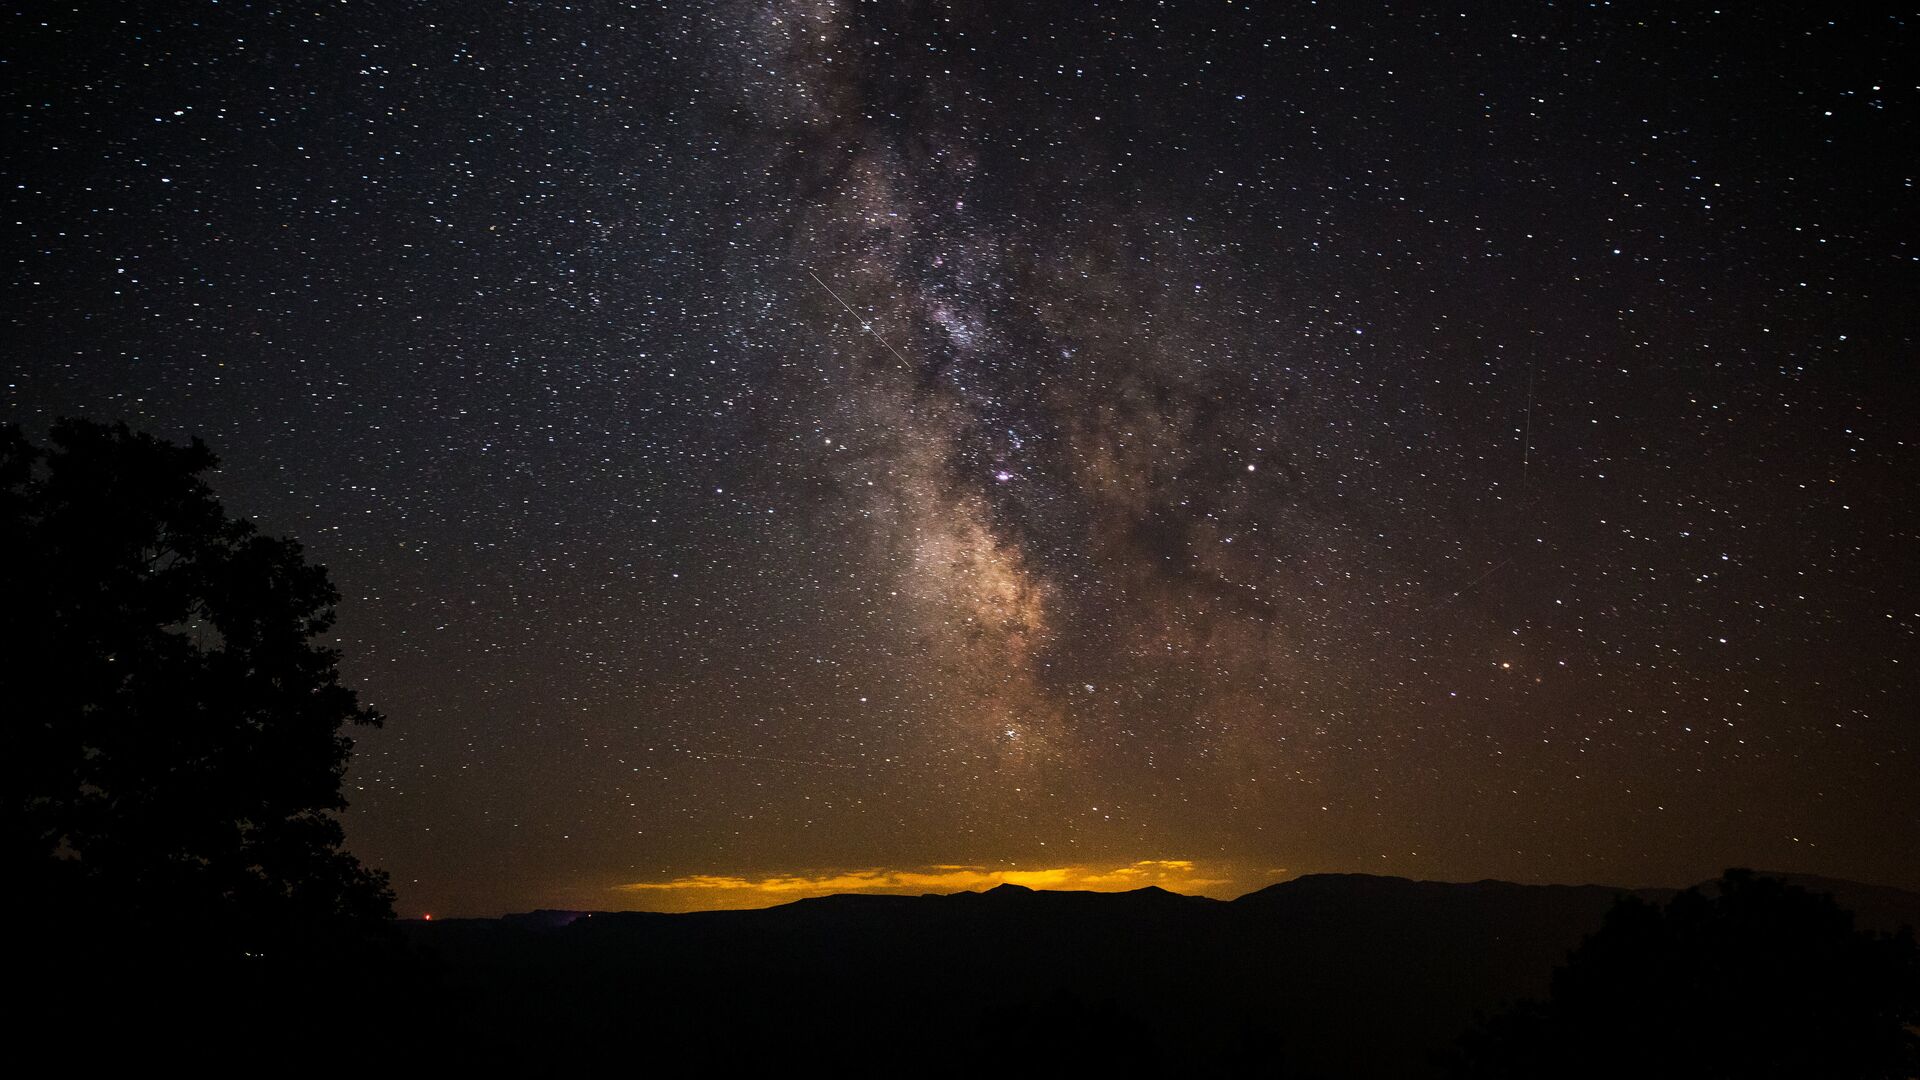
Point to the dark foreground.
(1347, 976)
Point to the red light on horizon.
(428, 917)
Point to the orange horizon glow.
(701, 892)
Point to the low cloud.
(697, 891)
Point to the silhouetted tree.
(173, 735)
(1748, 977)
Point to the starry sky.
(771, 447)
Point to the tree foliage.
(1749, 977)
(174, 739)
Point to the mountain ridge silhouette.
(1879, 907)
(1346, 975)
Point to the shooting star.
(763, 757)
(1469, 585)
(1526, 452)
(864, 324)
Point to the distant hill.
(1327, 975)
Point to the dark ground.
(1329, 975)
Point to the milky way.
(775, 447)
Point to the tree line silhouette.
(1747, 977)
(174, 746)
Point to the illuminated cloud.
(698, 891)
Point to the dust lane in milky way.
(773, 448)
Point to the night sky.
(777, 448)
